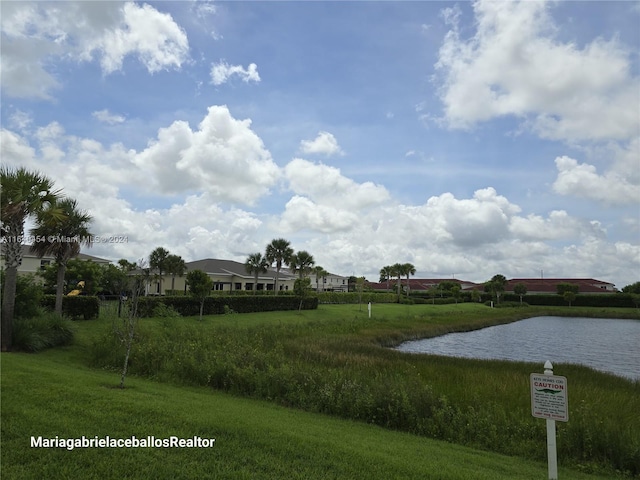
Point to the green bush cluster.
(76, 307)
(506, 304)
(351, 297)
(603, 300)
(218, 304)
(41, 331)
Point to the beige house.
(227, 276)
(32, 264)
(329, 283)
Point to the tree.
(320, 273)
(397, 270)
(360, 283)
(408, 269)
(23, 194)
(127, 266)
(520, 289)
(569, 296)
(61, 238)
(89, 272)
(126, 331)
(455, 292)
(475, 295)
(114, 280)
(256, 263)
(200, 285)
(562, 288)
(633, 288)
(496, 286)
(158, 261)
(175, 266)
(385, 275)
(280, 252)
(301, 263)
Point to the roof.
(26, 252)
(422, 283)
(534, 285)
(549, 285)
(228, 267)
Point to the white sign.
(549, 397)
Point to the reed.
(335, 361)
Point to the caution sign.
(549, 397)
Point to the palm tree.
(61, 238)
(175, 265)
(280, 252)
(256, 263)
(385, 275)
(22, 195)
(301, 263)
(408, 269)
(397, 270)
(158, 261)
(320, 273)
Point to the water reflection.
(608, 345)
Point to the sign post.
(549, 401)
(369, 308)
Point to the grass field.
(324, 361)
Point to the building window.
(44, 264)
(238, 286)
(248, 286)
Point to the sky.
(469, 139)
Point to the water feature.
(608, 345)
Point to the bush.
(28, 295)
(40, 332)
(350, 297)
(219, 305)
(620, 300)
(163, 310)
(76, 308)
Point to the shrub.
(28, 295)
(163, 310)
(215, 305)
(40, 332)
(76, 308)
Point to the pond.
(608, 345)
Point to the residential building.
(31, 263)
(227, 276)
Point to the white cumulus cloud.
(325, 143)
(36, 32)
(223, 157)
(222, 71)
(515, 65)
(582, 180)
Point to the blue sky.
(469, 139)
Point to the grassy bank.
(49, 394)
(333, 361)
(330, 361)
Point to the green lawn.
(330, 360)
(44, 395)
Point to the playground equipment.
(78, 290)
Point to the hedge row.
(351, 297)
(79, 307)
(621, 300)
(215, 305)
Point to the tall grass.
(334, 362)
(44, 330)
